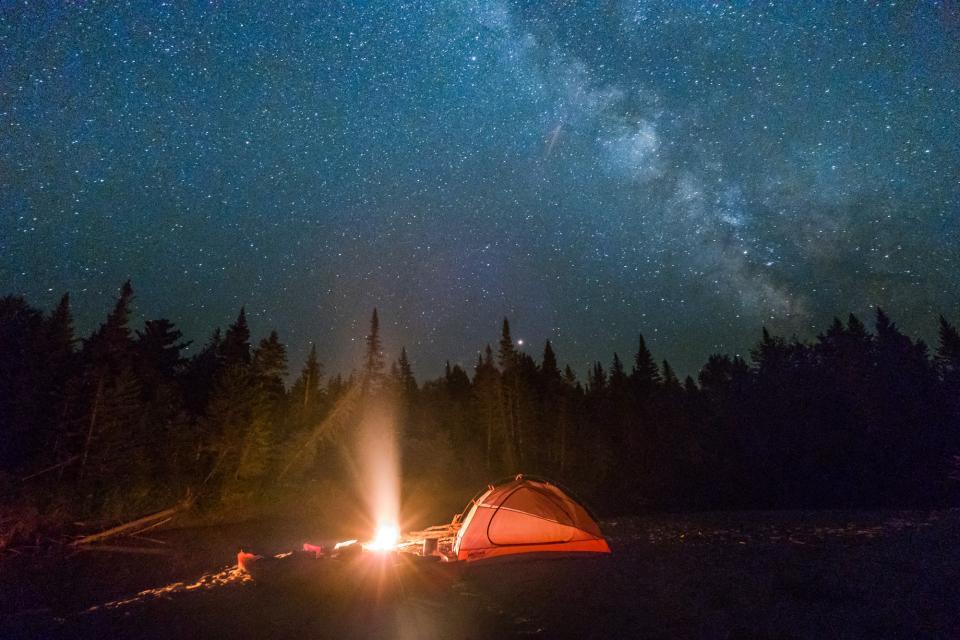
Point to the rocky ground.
(714, 575)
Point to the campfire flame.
(386, 538)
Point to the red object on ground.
(526, 516)
(244, 559)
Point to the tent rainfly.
(526, 516)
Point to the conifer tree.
(569, 377)
(670, 381)
(269, 363)
(110, 345)
(645, 375)
(596, 380)
(158, 349)
(486, 384)
(947, 363)
(373, 362)
(268, 369)
(235, 348)
(108, 352)
(548, 367)
(59, 369)
(507, 352)
(509, 391)
(618, 376)
(307, 386)
(159, 368)
(948, 349)
(59, 327)
(408, 383)
(201, 373)
(20, 326)
(769, 356)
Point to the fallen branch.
(152, 526)
(147, 551)
(136, 526)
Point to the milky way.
(692, 171)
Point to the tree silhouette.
(373, 359)
(127, 424)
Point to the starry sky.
(689, 170)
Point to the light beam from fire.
(380, 471)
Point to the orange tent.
(526, 516)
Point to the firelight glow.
(380, 474)
(386, 538)
(345, 543)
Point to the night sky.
(592, 170)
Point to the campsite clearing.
(716, 575)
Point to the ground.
(719, 575)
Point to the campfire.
(386, 538)
(517, 516)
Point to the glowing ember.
(386, 539)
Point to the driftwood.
(136, 526)
(112, 548)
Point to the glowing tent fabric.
(526, 516)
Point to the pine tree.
(486, 384)
(645, 375)
(108, 352)
(117, 460)
(548, 368)
(671, 383)
(405, 377)
(268, 369)
(507, 352)
(160, 368)
(269, 362)
(201, 373)
(855, 327)
(110, 345)
(948, 349)
(235, 349)
(158, 349)
(20, 327)
(596, 380)
(618, 376)
(226, 422)
(307, 386)
(59, 327)
(58, 369)
(373, 360)
(770, 355)
(509, 391)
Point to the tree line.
(120, 421)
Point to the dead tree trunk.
(97, 399)
(135, 526)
